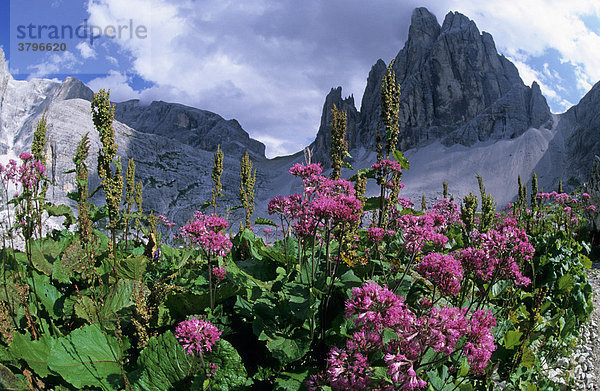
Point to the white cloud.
(53, 63)
(118, 84)
(86, 50)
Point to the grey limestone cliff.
(455, 87)
(194, 127)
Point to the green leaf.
(163, 365)
(528, 359)
(372, 203)
(48, 295)
(231, 372)
(43, 253)
(464, 367)
(88, 358)
(348, 166)
(8, 381)
(290, 381)
(566, 282)
(132, 267)
(235, 208)
(585, 261)
(206, 204)
(512, 339)
(288, 348)
(61, 210)
(119, 296)
(399, 156)
(263, 221)
(35, 353)
(364, 172)
(389, 335)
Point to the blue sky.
(269, 64)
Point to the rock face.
(194, 127)
(320, 147)
(455, 87)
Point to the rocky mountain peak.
(455, 88)
(194, 127)
(424, 29)
(320, 147)
(73, 88)
(3, 65)
(455, 21)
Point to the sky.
(270, 63)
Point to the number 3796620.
(41, 47)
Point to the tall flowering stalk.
(216, 177)
(139, 213)
(339, 146)
(129, 196)
(112, 181)
(247, 181)
(207, 232)
(390, 106)
(27, 178)
(387, 176)
(38, 150)
(81, 179)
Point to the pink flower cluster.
(324, 202)
(497, 253)
(443, 271)
(560, 198)
(449, 209)
(307, 171)
(28, 174)
(375, 309)
(419, 230)
(165, 221)
(377, 234)
(206, 232)
(219, 273)
(386, 166)
(197, 336)
(405, 203)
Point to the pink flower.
(306, 171)
(448, 209)
(219, 273)
(387, 165)
(205, 231)
(377, 307)
(443, 271)
(376, 234)
(25, 156)
(197, 336)
(480, 341)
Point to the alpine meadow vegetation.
(341, 292)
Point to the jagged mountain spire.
(455, 88)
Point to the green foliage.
(88, 357)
